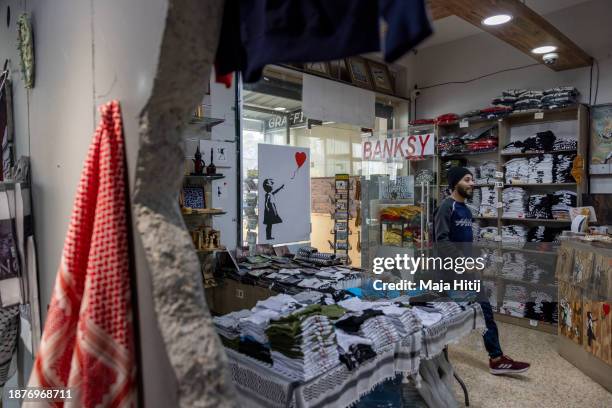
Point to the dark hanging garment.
(407, 25)
(255, 33)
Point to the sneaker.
(506, 365)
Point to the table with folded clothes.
(307, 269)
(311, 350)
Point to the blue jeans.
(491, 336)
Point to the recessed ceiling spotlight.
(545, 49)
(280, 108)
(497, 19)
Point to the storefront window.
(271, 114)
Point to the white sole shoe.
(500, 371)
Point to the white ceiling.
(453, 28)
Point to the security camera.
(415, 93)
(550, 58)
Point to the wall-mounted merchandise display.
(584, 270)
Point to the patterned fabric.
(450, 329)
(87, 342)
(259, 385)
(9, 331)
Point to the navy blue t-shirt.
(453, 222)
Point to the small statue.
(198, 163)
(211, 170)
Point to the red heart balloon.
(606, 309)
(300, 158)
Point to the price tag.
(464, 123)
(499, 184)
(539, 115)
(533, 323)
(499, 174)
(499, 205)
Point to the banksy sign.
(407, 147)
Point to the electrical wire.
(481, 77)
(591, 83)
(596, 82)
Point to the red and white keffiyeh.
(87, 343)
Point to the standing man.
(453, 223)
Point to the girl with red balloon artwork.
(271, 215)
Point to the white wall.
(587, 24)
(87, 53)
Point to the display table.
(261, 385)
(584, 270)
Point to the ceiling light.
(280, 108)
(545, 49)
(497, 19)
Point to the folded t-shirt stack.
(495, 112)
(304, 343)
(540, 206)
(515, 202)
(562, 201)
(513, 265)
(529, 101)
(559, 97)
(447, 118)
(450, 143)
(488, 199)
(563, 168)
(488, 234)
(228, 327)
(541, 307)
(517, 171)
(486, 173)
(480, 139)
(514, 234)
(354, 350)
(504, 100)
(515, 297)
(544, 234)
(312, 255)
(541, 141)
(282, 304)
(565, 144)
(255, 325)
(541, 169)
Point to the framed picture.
(601, 135)
(193, 197)
(381, 77)
(359, 72)
(339, 70)
(321, 68)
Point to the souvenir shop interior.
(298, 177)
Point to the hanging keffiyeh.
(87, 342)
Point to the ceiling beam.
(437, 9)
(526, 31)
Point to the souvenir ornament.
(26, 49)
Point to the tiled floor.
(551, 382)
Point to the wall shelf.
(204, 177)
(537, 153)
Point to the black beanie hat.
(455, 174)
